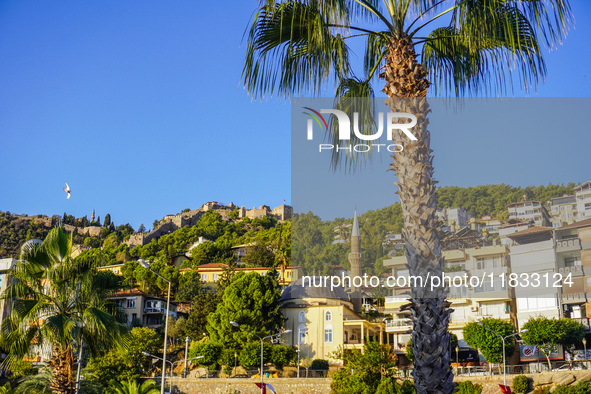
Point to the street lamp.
(503, 340)
(457, 358)
(262, 339)
(585, 346)
(235, 362)
(171, 363)
(187, 340)
(144, 264)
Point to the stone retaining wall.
(247, 386)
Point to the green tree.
(70, 297)
(363, 370)
(189, 286)
(282, 355)
(126, 363)
(547, 334)
(300, 46)
(252, 301)
(490, 345)
(203, 304)
(107, 221)
(259, 255)
(210, 351)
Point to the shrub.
(468, 387)
(562, 389)
(319, 365)
(542, 390)
(520, 384)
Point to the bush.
(468, 387)
(562, 389)
(319, 365)
(390, 386)
(540, 390)
(520, 384)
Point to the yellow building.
(115, 268)
(321, 320)
(211, 273)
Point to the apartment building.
(453, 218)
(490, 299)
(212, 272)
(529, 210)
(583, 198)
(144, 308)
(532, 252)
(5, 266)
(563, 210)
(573, 257)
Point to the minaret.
(355, 259)
(92, 218)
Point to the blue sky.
(138, 106)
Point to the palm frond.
(460, 61)
(292, 49)
(355, 97)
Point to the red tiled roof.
(137, 292)
(582, 223)
(211, 265)
(536, 229)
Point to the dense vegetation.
(493, 199)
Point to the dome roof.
(297, 290)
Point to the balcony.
(575, 270)
(584, 321)
(568, 245)
(398, 325)
(155, 310)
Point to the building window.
(328, 316)
(130, 303)
(302, 317)
(328, 334)
(302, 331)
(204, 277)
(215, 277)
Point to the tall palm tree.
(57, 303)
(442, 47)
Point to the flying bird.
(67, 190)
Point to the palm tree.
(132, 387)
(58, 303)
(453, 47)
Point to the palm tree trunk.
(62, 366)
(406, 85)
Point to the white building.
(532, 252)
(529, 210)
(450, 216)
(563, 210)
(5, 266)
(583, 197)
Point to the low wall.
(248, 386)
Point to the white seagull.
(67, 190)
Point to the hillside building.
(583, 197)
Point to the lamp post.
(144, 264)
(187, 340)
(235, 362)
(457, 358)
(585, 346)
(503, 340)
(262, 339)
(171, 363)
